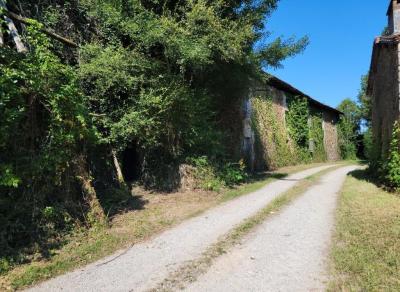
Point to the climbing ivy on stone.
(271, 136)
(297, 120)
(277, 144)
(317, 137)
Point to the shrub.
(233, 173)
(392, 167)
(317, 136)
(4, 265)
(213, 176)
(368, 144)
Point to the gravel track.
(288, 252)
(144, 265)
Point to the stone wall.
(385, 95)
(268, 125)
(257, 147)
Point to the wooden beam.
(1, 37)
(15, 36)
(117, 166)
(13, 30)
(49, 32)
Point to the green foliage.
(386, 170)
(281, 146)
(348, 128)
(139, 103)
(151, 69)
(151, 75)
(145, 78)
(5, 265)
(364, 101)
(297, 120)
(234, 173)
(392, 166)
(213, 176)
(351, 111)
(317, 138)
(43, 125)
(270, 133)
(347, 138)
(368, 145)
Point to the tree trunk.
(96, 213)
(117, 167)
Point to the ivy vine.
(297, 120)
(317, 137)
(279, 144)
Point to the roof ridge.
(273, 80)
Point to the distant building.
(384, 81)
(256, 152)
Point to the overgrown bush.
(213, 176)
(43, 128)
(347, 139)
(349, 128)
(368, 145)
(386, 171)
(392, 166)
(152, 75)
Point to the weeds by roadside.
(366, 249)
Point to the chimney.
(394, 17)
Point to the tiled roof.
(284, 86)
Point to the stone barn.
(270, 146)
(384, 81)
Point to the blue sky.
(341, 34)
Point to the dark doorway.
(130, 164)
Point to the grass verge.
(189, 272)
(366, 250)
(158, 213)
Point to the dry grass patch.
(366, 250)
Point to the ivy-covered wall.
(287, 130)
(331, 137)
(272, 146)
(317, 137)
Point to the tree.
(349, 128)
(364, 102)
(174, 66)
(149, 74)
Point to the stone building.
(258, 154)
(384, 81)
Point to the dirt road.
(144, 265)
(288, 252)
